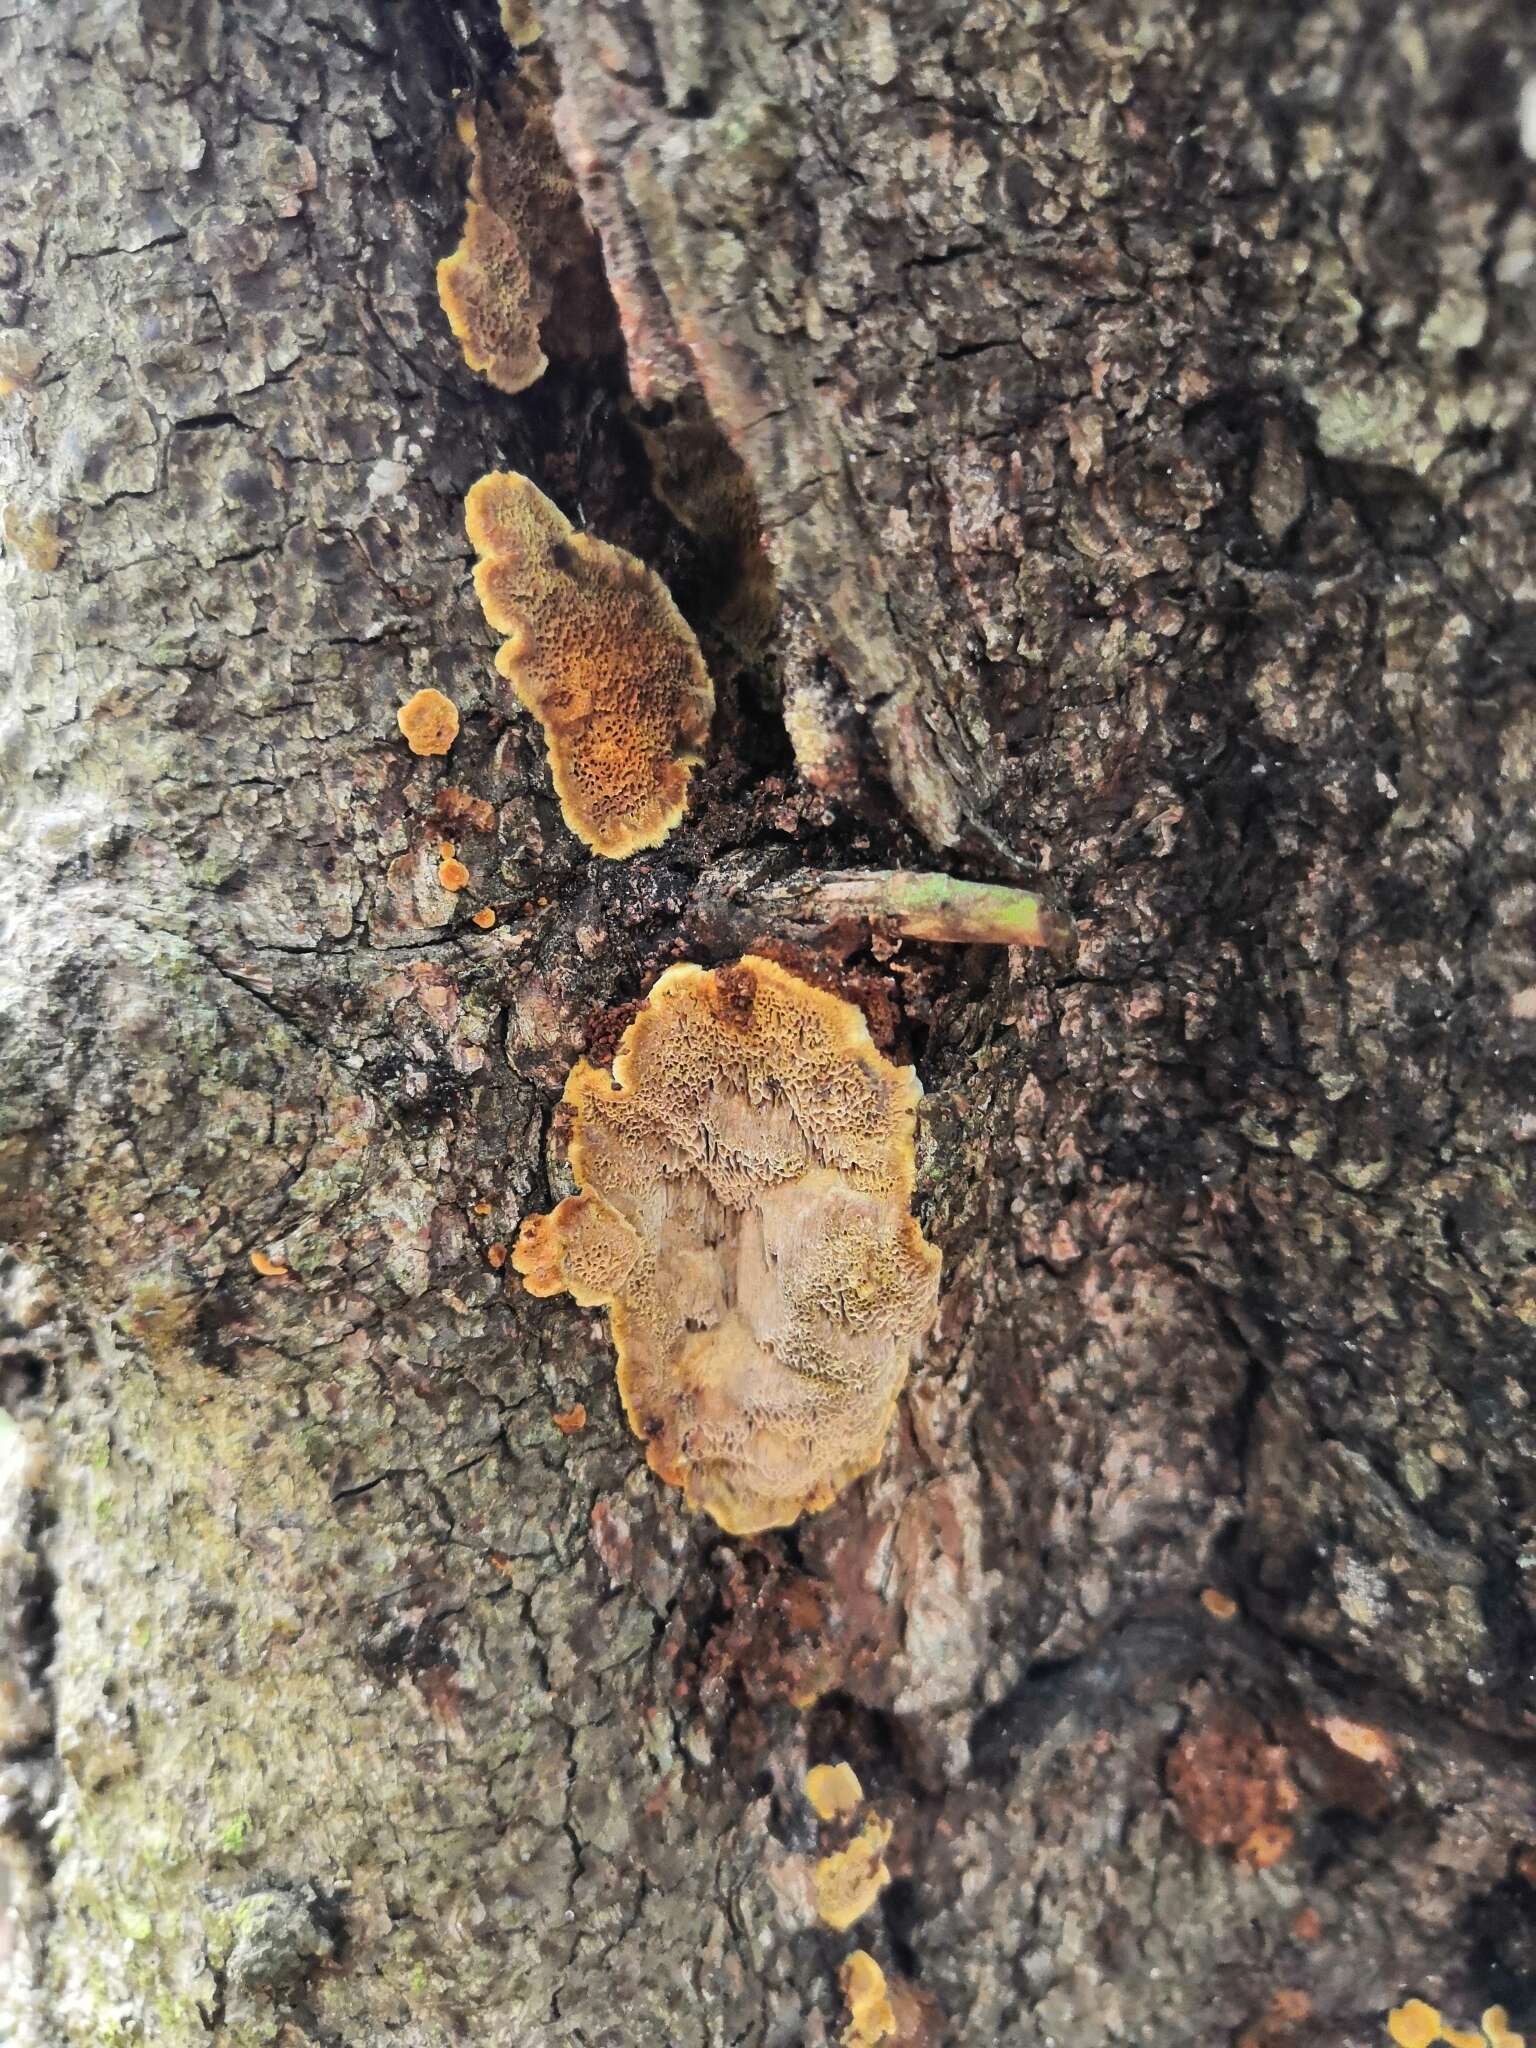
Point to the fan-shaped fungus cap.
(429, 721)
(833, 1790)
(600, 654)
(849, 1881)
(746, 1174)
(870, 2017)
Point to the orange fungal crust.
(870, 2015)
(746, 1176)
(833, 1790)
(849, 1881)
(598, 652)
(429, 722)
(526, 248)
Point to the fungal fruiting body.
(870, 2016)
(833, 1790)
(849, 1881)
(429, 722)
(527, 261)
(746, 1176)
(602, 657)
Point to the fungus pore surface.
(602, 657)
(746, 1176)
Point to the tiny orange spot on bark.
(484, 918)
(1359, 1739)
(834, 1790)
(446, 849)
(1307, 1925)
(453, 875)
(569, 1420)
(268, 1267)
(1217, 1603)
(496, 1257)
(482, 1208)
(429, 721)
(458, 807)
(1266, 1845)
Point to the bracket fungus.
(746, 1176)
(602, 657)
(527, 260)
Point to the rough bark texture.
(1139, 407)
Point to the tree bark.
(1138, 407)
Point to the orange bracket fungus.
(746, 1176)
(602, 657)
(849, 1881)
(527, 258)
(429, 721)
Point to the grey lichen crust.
(1140, 414)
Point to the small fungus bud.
(849, 1881)
(833, 1790)
(870, 2017)
(268, 1267)
(1358, 1739)
(496, 1257)
(602, 657)
(1414, 2025)
(746, 1177)
(569, 1420)
(1267, 1844)
(453, 875)
(1221, 1606)
(1495, 2024)
(484, 918)
(430, 722)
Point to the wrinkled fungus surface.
(602, 657)
(746, 1177)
